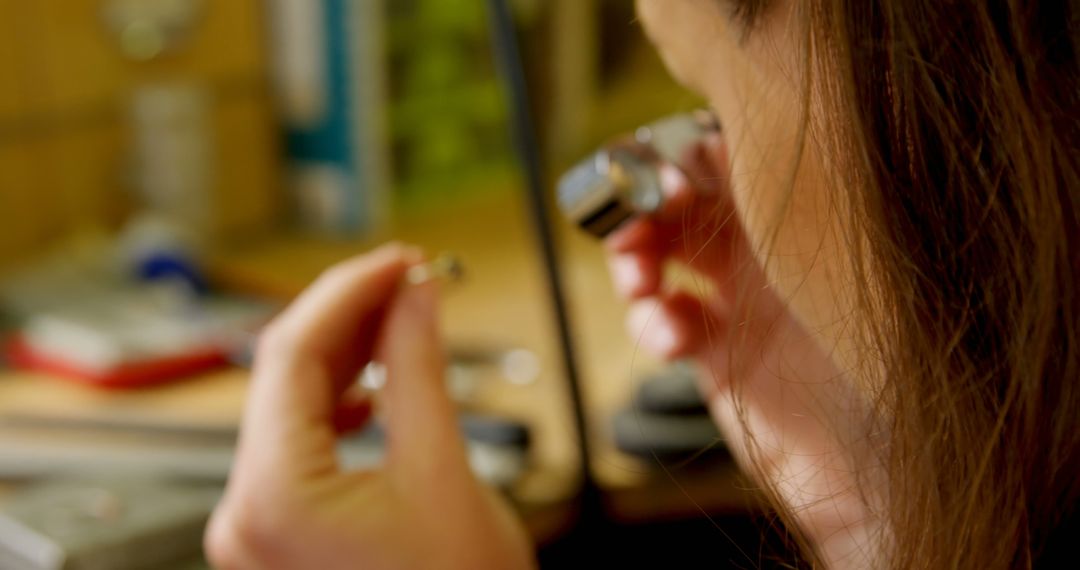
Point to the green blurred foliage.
(447, 110)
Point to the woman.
(888, 227)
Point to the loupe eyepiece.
(621, 180)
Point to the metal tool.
(621, 180)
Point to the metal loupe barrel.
(621, 180)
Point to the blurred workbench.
(503, 304)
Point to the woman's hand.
(764, 378)
(289, 505)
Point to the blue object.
(172, 267)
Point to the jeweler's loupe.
(621, 180)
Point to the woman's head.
(908, 172)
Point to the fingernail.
(672, 181)
(626, 275)
(660, 339)
(651, 329)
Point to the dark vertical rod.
(508, 56)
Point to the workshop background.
(173, 171)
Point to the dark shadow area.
(729, 541)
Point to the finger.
(636, 275)
(422, 433)
(679, 191)
(693, 204)
(324, 323)
(672, 326)
(307, 356)
(634, 235)
(701, 174)
(697, 222)
(701, 231)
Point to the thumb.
(421, 422)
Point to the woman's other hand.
(764, 377)
(289, 505)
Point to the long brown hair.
(958, 124)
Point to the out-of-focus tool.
(668, 421)
(621, 180)
(36, 447)
(136, 336)
(114, 524)
(91, 314)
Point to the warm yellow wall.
(9, 100)
(63, 90)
